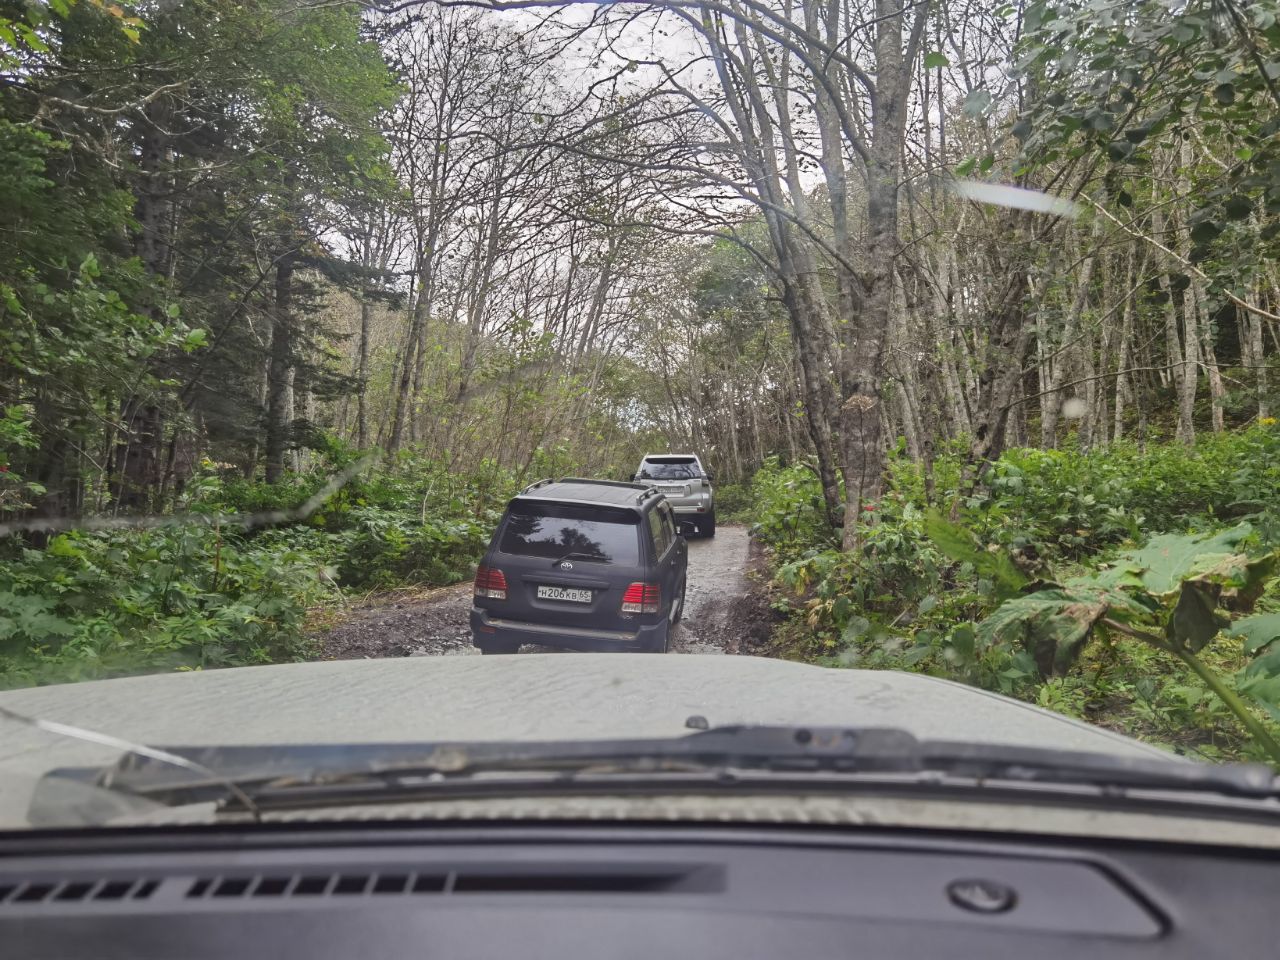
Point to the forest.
(973, 307)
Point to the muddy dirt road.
(725, 612)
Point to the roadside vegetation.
(1083, 582)
(224, 585)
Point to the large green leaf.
(1266, 690)
(1051, 624)
(1238, 579)
(1118, 575)
(959, 544)
(1195, 620)
(1257, 631)
(1169, 559)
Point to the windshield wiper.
(578, 555)
(332, 774)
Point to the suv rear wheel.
(679, 602)
(707, 524)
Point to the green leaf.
(977, 102)
(1052, 625)
(1195, 620)
(1117, 575)
(855, 628)
(841, 608)
(1119, 150)
(935, 59)
(31, 38)
(62, 546)
(1244, 578)
(965, 167)
(1238, 207)
(1169, 559)
(1205, 231)
(1261, 681)
(959, 545)
(986, 163)
(1257, 630)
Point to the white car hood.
(534, 697)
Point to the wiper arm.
(142, 751)
(329, 774)
(579, 555)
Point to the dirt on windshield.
(727, 611)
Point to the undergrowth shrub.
(187, 596)
(898, 601)
(231, 584)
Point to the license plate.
(564, 593)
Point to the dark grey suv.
(583, 564)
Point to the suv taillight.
(642, 598)
(491, 583)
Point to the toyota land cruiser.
(582, 564)
(686, 484)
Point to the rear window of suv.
(670, 468)
(556, 530)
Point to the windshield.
(332, 335)
(560, 531)
(669, 469)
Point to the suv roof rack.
(604, 483)
(552, 488)
(643, 492)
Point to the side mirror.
(687, 529)
(708, 477)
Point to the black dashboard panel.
(606, 892)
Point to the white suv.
(686, 484)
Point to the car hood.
(534, 697)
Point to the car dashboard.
(462, 890)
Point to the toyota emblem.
(566, 565)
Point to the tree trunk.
(138, 455)
(280, 370)
(862, 360)
(362, 377)
(1008, 347)
(417, 319)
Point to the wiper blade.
(326, 774)
(578, 555)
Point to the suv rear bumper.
(487, 630)
(690, 506)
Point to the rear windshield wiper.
(331, 774)
(593, 557)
